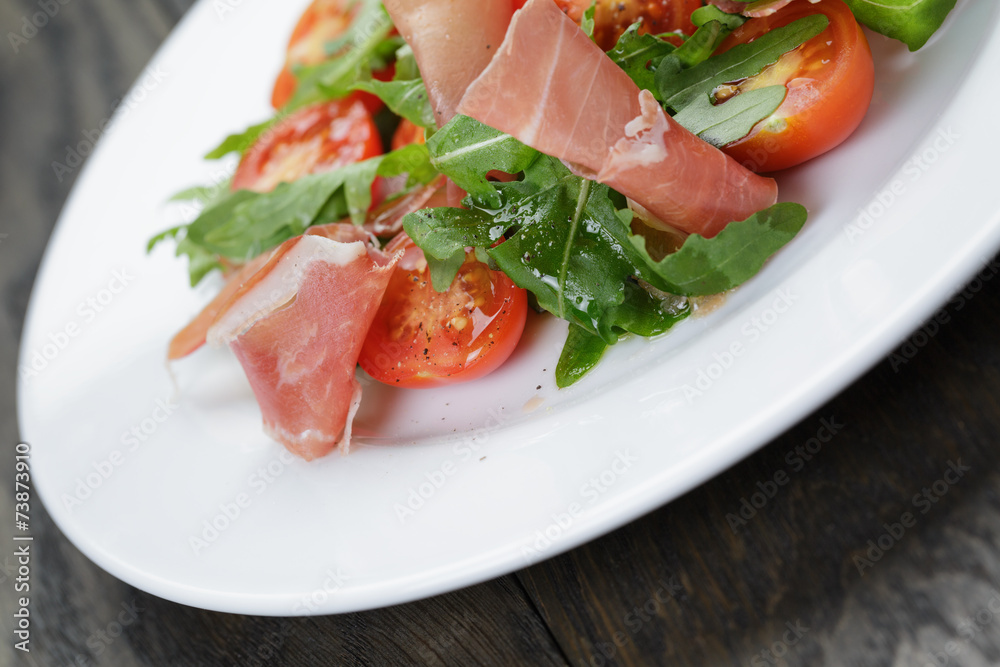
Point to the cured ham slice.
(453, 41)
(552, 88)
(296, 319)
(298, 331)
(192, 337)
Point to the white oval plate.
(179, 493)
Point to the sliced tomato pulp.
(315, 139)
(830, 81)
(613, 17)
(423, 338)
(407, 133)
(321, 23)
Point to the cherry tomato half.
(830, 81)
(423, 338)
(322, 22)
(613, 17)
(312, 140)
(407, 133)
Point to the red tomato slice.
(830, 81)
(613, 17)
(322, 22)
(407, 133)
(312, 140)
(423, 338)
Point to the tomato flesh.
(407, 133)
(322, 22)
(314, 139)
(422, 338)
(830, 81)
(613, 17)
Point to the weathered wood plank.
(62, 82)
(848, 546)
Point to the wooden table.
(847, 564)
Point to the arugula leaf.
(444, 234)
(911, 22)
(405, 98)
(240, 142)
(639, 55)
(587, 22)
(721, 124)
(709, 266)
(203, 194)
(365, 45)
(571, 250)
(743, 60)
(406, 64)
(244, 224)
(466, 150)
(697, 48)
(703, 15)
(580, 354)
(366, 39)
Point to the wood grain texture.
(681, 586)
(831, 550)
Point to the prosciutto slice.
(192, 337)
(552, 88)
(296, 320)
(453, 41)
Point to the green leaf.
(171, 233)
(443, 271)
(709, 266)
(406, 64)
(200, 261)
(580, 354)
(405, 98)
(570, 249)
(587, 22)
(466, 150)
(243, 224)
(638, 55)
(701, 45)
(365, 45)
(742, 61)
(444, 234)
(366, 40)
(441, 232)
(239, 143)
(703, 15)
(721, 124)
(910, 21)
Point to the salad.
(600, 161)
